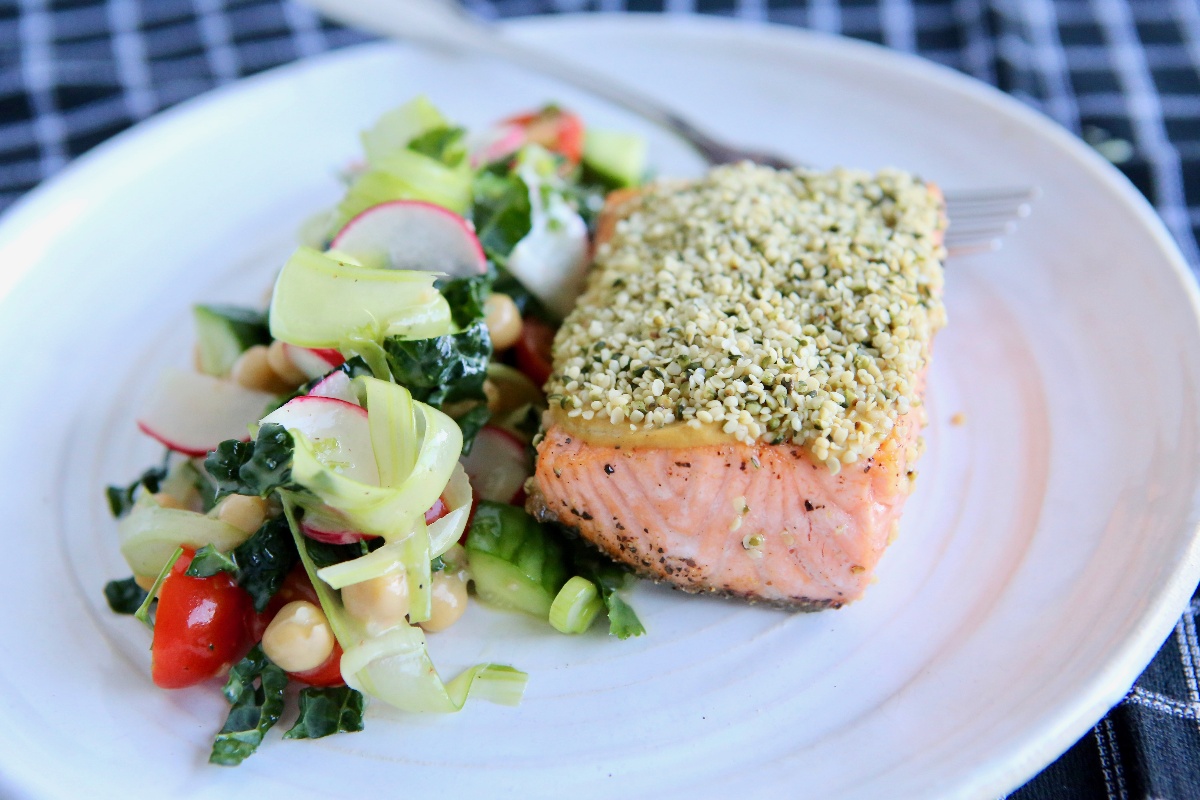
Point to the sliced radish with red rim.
(412, 234)
(338, 430)
(192, 413)
(313, 362)
(336, 385)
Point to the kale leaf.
(252, 468)
(466, 297)
(264, 560)
(260, 564)
(124, 597)
(325, 711)
(442, 369)
(122, 498)
(254, 708)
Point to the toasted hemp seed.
(782, 306)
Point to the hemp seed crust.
(779, 306)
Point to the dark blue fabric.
(1125, 76)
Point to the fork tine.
(984, 212)
(973, 248)
(1014, 195)
(994, 229)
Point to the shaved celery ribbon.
(320, 300)
(416, 452)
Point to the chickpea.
(495, 400)
(242, 512)
(299, 638)
(281, 362)
(253, 370)
(449, 601)
(503, 320)
(145, 581)
(379, 603)
(165, 500)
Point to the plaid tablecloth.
(1123, 75)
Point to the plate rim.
(25, 220)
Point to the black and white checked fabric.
(1123, 75)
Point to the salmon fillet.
(732, 509)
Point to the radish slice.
(313, 362)
(338, 430)
(319, 525)
(314, 527)
(335, 385)
(498, 465)
(498, 143)
(411, 234)
(192, 413)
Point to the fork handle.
(445, 24)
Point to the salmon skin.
(764, 520)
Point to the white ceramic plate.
(1044, 557)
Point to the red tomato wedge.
(199, 627)
(554, 129)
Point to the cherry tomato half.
(554, 129)
(533, 350)
(199, 627)
(329, 673)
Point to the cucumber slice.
(514, 564)
(225, 332)
(617, 157)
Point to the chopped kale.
(444, 368)
(255, 709)
(124, 597)
(326, 711)
(252, 468)
(264, 561)
(466, 297)
(122, 498)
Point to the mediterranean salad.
(344, 470)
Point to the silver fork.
(978, 219)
